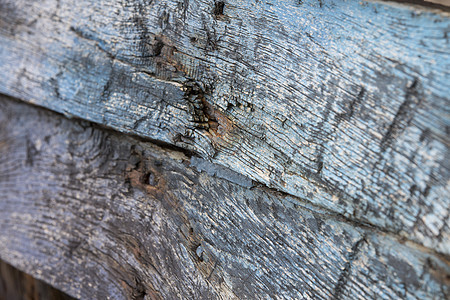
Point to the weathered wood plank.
(100, 216)
(342, 103)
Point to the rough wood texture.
(99, 215)
(16, 285)
(342, 103)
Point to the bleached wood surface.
(102, 216)
(342, 103)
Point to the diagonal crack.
(345, 274)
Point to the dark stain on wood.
(218, 8)
(145, 175)
(31, 152)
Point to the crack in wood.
(404, 114)
(345, 274)
(432, 4)
(352, 106)
(31, 153)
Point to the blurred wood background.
(16, 285)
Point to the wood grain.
(103, 216)
(342, 103)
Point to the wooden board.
(99, 215)
(342, 103)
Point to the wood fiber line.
(101, 215)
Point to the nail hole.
(218, 8)
(157, 48)
(149, 179)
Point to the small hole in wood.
(150, 179)
(157, 48)
(218, 8)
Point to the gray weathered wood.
(342, 103)
(99, 215)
